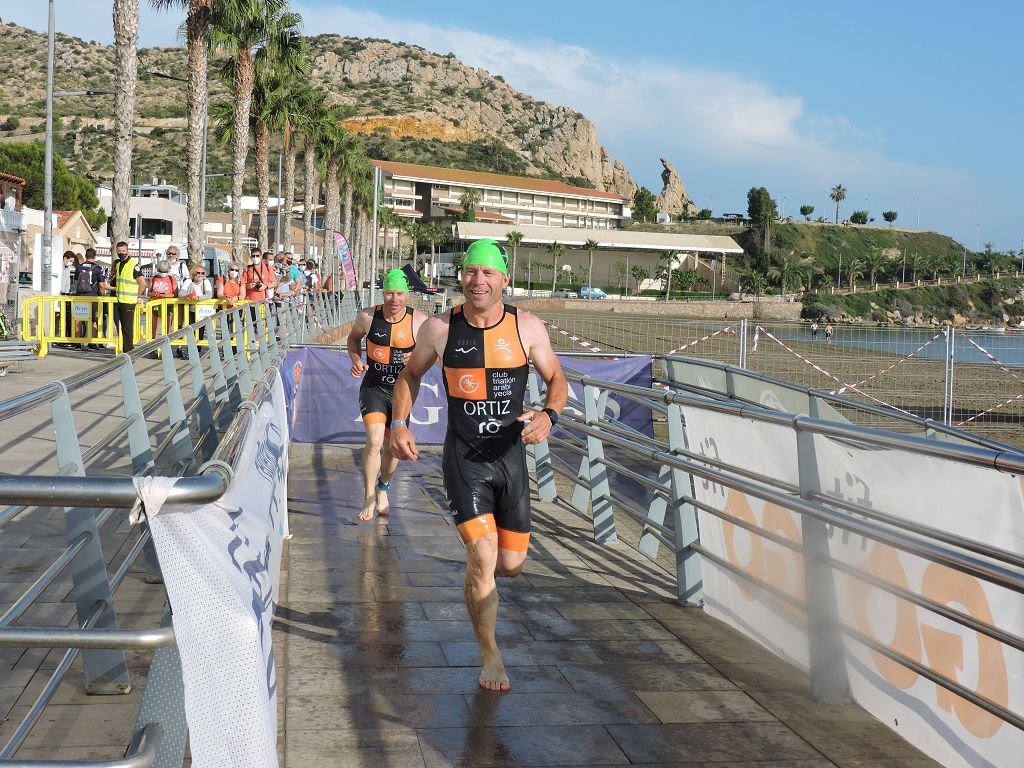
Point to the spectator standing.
(196, 288)
(128, 286)
(814, 329)
(257, 279)
(829, 330)
(87, 283)
(68, 287)
(164, 285)
(178, 268)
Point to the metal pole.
(47, 278)
(277, 223)
(373, 238)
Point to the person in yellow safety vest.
(128, 286)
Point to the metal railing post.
(539, 456)
(597, 474)
(204, 408)
(824, 636)
(220, 382)
(689, 579)
(180, 447)
(251, 350)
(262, 325)
(952, 375)
(106, 671)
(743, 343)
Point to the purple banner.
(323, 396)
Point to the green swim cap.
(395, 280)
(487, 253)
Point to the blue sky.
(913, 106)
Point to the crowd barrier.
(188, 426)
(90, 320)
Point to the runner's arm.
(360, 327)
(432, 336)
(538, 349)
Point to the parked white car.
(565, 293)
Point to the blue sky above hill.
(913, 106)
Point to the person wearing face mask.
(177, 268)
(68, 284)
(258, 277)
(229, 288)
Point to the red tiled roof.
(12, 177)
(480, 215)
(407, 212)
(477, 178)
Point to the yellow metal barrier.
(85, 320)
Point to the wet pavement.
(379, 667)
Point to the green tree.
(434, 233)
(859, 217)
(837, 195)
(244, 30)
(762, 210)
(705, 213)
(666, 265)
(312, 119)
(890, 216)
(71, 192)
(126, 68)
(855, 269)
(590, 246)
(514, 238)
(556, 250)
(619, 268)
(756, 283)
(806, 211)
(645, 205)
(639, 273)
(918, 262)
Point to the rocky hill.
(408, 103)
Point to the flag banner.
(221, 565)
(348, 268)
(323, 396)
(971, 502)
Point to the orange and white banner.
(972, 502)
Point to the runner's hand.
(538, 425)
(403, 444)
(359, 368)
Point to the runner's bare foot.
(383, 505)
(492, 676)
(366, 513)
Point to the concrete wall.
(706, 310)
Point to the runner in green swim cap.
(487, 253)
(395, 280)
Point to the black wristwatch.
(552, 415)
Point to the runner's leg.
(481, 594)
(371, 462)
(388, 465)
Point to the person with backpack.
(164, 285)
(90, 275)
(197, 288)
(68, 284)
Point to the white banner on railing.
(972, 502)
(221, 565)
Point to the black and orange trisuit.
(485, 373)
(387, 347)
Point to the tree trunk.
(240, 148)
(433, 264)
(289, 191)
(346, 227)
(332, 216)
(261, 148)
(514, 269)
(308, 199)
(529, 275)
(554, 277)
(126, 67)
(590, 274)
(198, 31)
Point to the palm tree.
(284, 115)
(197, 31)
(415, 232)
(126, 70)
(386, 220)
(786, 270)
(337, 149)
(918, 261)
(556, 250)
(855, 269)
(246, 29)
(469, 200)
(837, 195)
(434, 233)
(514, 238)
(756, 283)
(313, 118)
(875, 261)
(590, 246)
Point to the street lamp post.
(47, 281)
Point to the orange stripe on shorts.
(477, 528)
(375, 417)
(513, 540)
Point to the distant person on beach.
(829, 330)
(814, 330)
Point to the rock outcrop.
(615, 177)
(673, 198)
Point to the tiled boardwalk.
(379, 665)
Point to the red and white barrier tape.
(872, 377)
(318, 323)
(705, 338)
(757, 338)
(822, 371)
(578, 339)
(1001, 367)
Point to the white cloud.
(93, 20)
